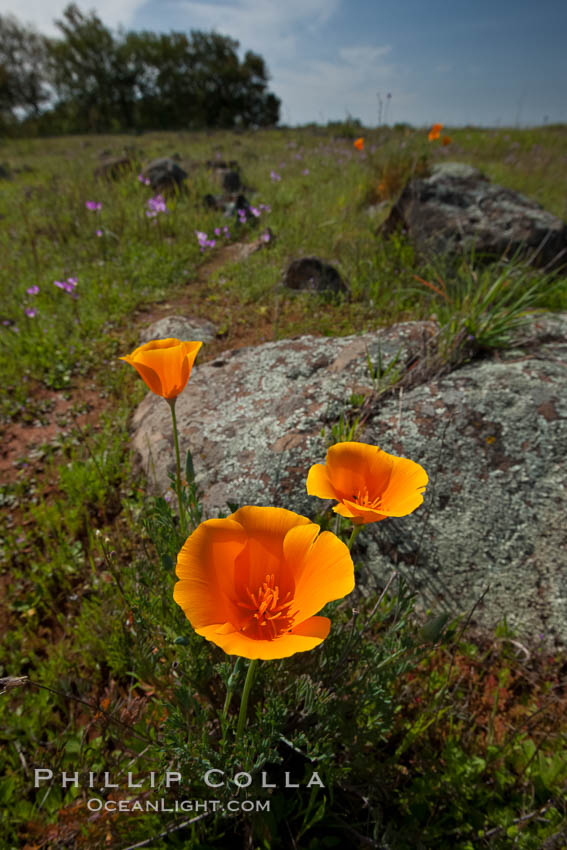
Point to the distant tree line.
(92, 80)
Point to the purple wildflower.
(275, 177)
(98, 232)
(305, 172)
(33, 290)
(30, 312)
(255, 211)
(68, 285)
(156, 205)
(217, 231)
(93, 205)
(204, 241)
(266, 236)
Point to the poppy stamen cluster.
(362, 498)
(266, 609)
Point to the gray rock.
(310, 274)
(231, 181)
(181, 328)
(165, 175)
(457, 209)
(491, 435)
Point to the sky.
(481, 62)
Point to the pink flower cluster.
(205, 242)
(243, 214)
(156, 205)
(68, 285)
(93, 205)
(143, 180)
(275, 177)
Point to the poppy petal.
(405, 490)
(266, 529)
(205, 567)
(302, 638)
(327, 573)
(318, 483)
(148, 375)
(352, 464)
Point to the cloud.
(273, 28)
(364, 56)
(346, 86)
(42, 13)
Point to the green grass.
(423, 737)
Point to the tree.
(23, 73)
(230, 92)
(82, 69)
(136, 80)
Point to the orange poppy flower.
(368, 483)
(445, 140)
(435, 132)
(359, 143)
(252, 583)
(164, 364)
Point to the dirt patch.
(20, 440)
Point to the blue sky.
(482, 62)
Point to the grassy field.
(423, 737)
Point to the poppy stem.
(232, 680)
(356, 529)
(245, 694)
(171, 402)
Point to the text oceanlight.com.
(94, 804)
(213, 778)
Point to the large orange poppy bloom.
(252, 583)
(164, 364)
(368, 483)
(435, 132)
(359, 143)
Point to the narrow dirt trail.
(57, 412)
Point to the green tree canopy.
(23, 79)
(101, 81)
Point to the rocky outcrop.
(491, 435)
(165, 175)
(187, 330)
(310, 274)
(456, 209)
